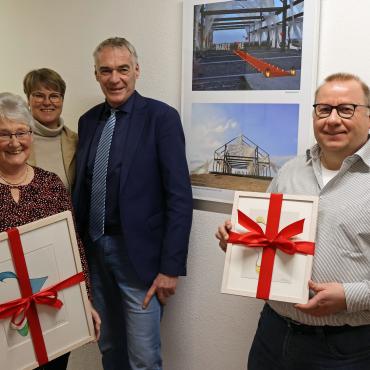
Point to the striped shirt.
(343, 231)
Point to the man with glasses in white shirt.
(331, 331)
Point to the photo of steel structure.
(241, 157)
(241, 146)
(248, 45)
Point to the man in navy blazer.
(135, 264)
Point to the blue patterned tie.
(99, 179)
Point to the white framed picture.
(257, 267)
(51, 255)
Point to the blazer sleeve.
(178, 194)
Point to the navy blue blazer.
(155, 199)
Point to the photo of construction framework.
(241, 146)
(241, 157)
(248, 45)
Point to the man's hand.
(164, 286)
(97, 322)
(329, 298)
(222, 234)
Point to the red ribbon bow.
(25, 307)
(256, 238)
(18, 308)
(270, 241)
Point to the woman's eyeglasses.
(19, 135)
(39, 97)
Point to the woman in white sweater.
(54, 144)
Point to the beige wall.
(202, 329)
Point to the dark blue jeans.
(283, 345)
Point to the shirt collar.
(363, 153)
(124, 107)
(314, 152)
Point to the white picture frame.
(51, 254)
(291, 273)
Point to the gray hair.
(14, 108)
(115, 42)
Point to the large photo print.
(241, 146)
(249, 74)
(248, 45)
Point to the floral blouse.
(44, 196)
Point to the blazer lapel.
(137, 123)
(88, 135)
(69, 143)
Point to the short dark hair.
(343, 76)
(43, 77)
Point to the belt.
(112, 230)
(313, 329)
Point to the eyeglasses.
(19, 135)
(343, 110)
(39, 97)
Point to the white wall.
(63, 34)
(202, 329)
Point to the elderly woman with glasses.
(54, 144)
(28, 193)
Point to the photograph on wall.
(248, 82)
(241, 146)
(248, 45)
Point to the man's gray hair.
(14, 108)
(115, 42)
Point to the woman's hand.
(222, 234)
(97, 322)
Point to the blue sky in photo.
(273, 127)
(228, 36)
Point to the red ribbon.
(25, 307)
(271, 240)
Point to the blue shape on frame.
(7, 275)
(36, 283)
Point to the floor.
(85, 358)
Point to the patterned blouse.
(44, 196)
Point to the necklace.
(24, 177)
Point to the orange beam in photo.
(267, 69)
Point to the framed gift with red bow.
(44, 308)
(271, 246)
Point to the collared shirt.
(342, 251)
(123, 114)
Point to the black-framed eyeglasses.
(19, 135)
(343, 110)
(54, 97)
